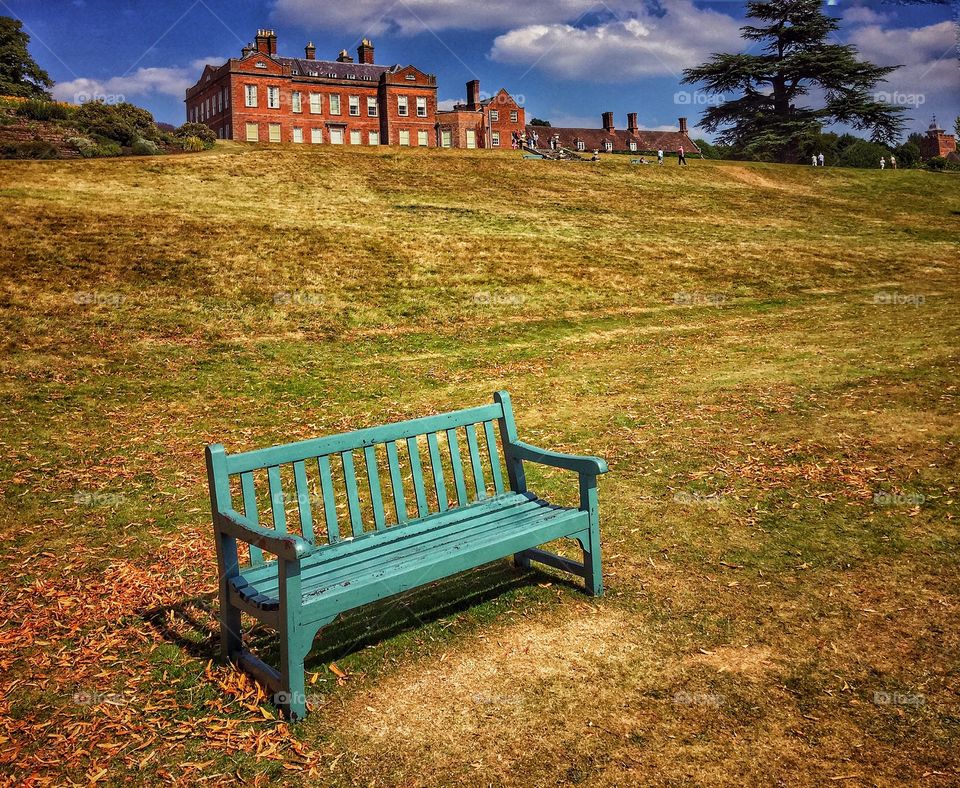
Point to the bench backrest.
(334, 488)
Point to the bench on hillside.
(354, 548)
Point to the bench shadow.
(192, 624)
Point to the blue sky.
(569, 60)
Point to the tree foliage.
(767, 117)
(19, 73)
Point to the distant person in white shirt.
(883, 163)
(681, 159)
(814, 159)
(893, 161)
(660, 157)
(820, 159)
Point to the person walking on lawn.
(681, 159)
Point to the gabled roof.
(334, 69)
(594, 139)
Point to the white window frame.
(403, 106)
(298, 134)
(494, 116)
(275, 132)
(334, 103)
(273, 97)
(255, 137)
(316, 136)
(296, 102)
(250, 95)
(446, 138)
(336, 136)
(421, 106)
(373, 108)
(581, 145)
(423, 138)
(471, 138)
(495, 139)
(355, 138)
(403, 137)
(633, 145)
(514, 116)
(353, 106)
(608, 146)
(373, 138)
(316, 103)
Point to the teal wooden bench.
(354, 548)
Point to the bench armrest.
(589, 466)
(287, 546)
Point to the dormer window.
(581, 145)
(608, 146)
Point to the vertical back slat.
(329, 503)
(353, 494)
(494, 457)
(249, 491)
(276, 499)
(416, 470)
(373, 482)
(396, 482)
(437, 467)
(457, 467)
(474, 446)
(303, 500)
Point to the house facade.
(936, 142)
(481, 123)
(263, 97)
(610, 139)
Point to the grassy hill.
(766, 355)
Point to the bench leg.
(231, 640)
(292, 698)
(591, 563)
(521, 561)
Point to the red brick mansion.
(263, 97)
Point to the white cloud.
(448, 104)
(647, 44)
(409, 17)
(143, 83)
(861, 14)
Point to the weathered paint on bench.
(351, 552)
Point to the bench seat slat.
(305, 450)
(353, 494)
(416, 470)
(494, 457)
(396, 483)
(436, 465)
(373, 483)
(329, 502)
(277, 504)
(249, 491)
(457, 465)
(474, 447)
(303, 500)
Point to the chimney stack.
(473, 95)
(365, 51)
(344, 57)
(632, 126)
(683, 125)
(311, 51)
(266, 42)
(608, 121)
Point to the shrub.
(194, 145)
(81, 144)
(94, 149)
(908, 154)
(142, 147)
(35, 149)
(123, 123)
(862, 154)
(937, 163)
(204, 133)
(35, 109)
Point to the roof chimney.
(683, 125)
(343, 57)
(310, 51)
(608, 121)
(632, 126)
(473, 94)
(266, 42)
(365, 51)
